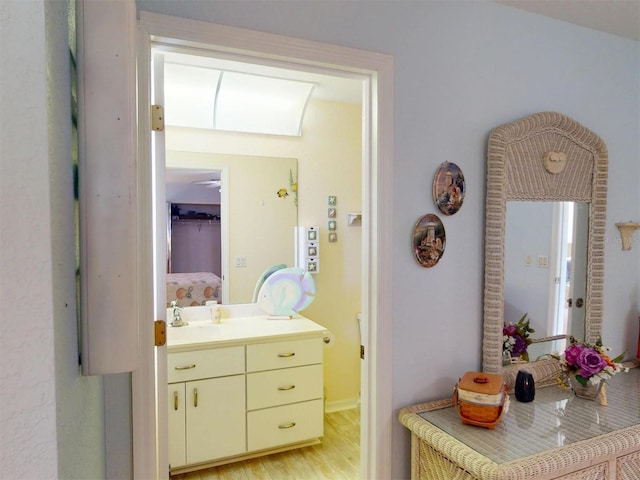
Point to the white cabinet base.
(248, 456)
(223, 410)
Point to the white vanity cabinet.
(284, 393)
(206, 405)
(243, 388)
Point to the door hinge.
(157, 118)
(160, 333)
(362, 352)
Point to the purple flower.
(519, 347)
(591, 362)
(572, 353)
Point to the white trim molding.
(276, 50)
(107, 179)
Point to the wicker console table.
(557, 436)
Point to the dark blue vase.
(525, 386)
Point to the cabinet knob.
(175, 400)
(195, 397)
(287, 425)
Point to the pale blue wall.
(461, 69)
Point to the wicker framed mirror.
(543, 157)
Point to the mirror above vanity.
(256, 223)
(546, 157)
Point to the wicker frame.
(515, 172)
(438, 455)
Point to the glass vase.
(589, 391)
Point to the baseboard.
(338, 405)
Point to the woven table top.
(555, 418)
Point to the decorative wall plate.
(286, 292)
(429, 239)
(448, 188)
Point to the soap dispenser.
(215, 311)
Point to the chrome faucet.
(177, 315)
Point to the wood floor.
(336, 458)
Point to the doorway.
(260, 223)
(376, 308)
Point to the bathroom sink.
(194, 332)
(234, 330)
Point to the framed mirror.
(545, 157)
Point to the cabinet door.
(216, 422)
(177, 444)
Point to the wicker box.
(481, 399)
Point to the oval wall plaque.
(429, 240)
(448, 188)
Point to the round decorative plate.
(428, 241)
(286, 292)
(448, 188)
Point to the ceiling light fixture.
(240, 102)
(259, 104)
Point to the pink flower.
(591, 362)
(572, 353)
(510, 330)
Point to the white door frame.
(376, 381)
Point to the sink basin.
(194, 332)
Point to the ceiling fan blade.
(206, 182)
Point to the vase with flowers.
(516, 341)
(587, 367)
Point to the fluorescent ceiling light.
(200, 97)
(258, 104)
(189, 95)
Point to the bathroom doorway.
(375, 377)
(330, 138)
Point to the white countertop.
(240, 330)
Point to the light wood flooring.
(337, 457)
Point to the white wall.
(28, 405)
(461, 69)
(51, 417)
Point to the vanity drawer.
(279, 387)
(284, 425)
(292, 353)
(216, 362)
